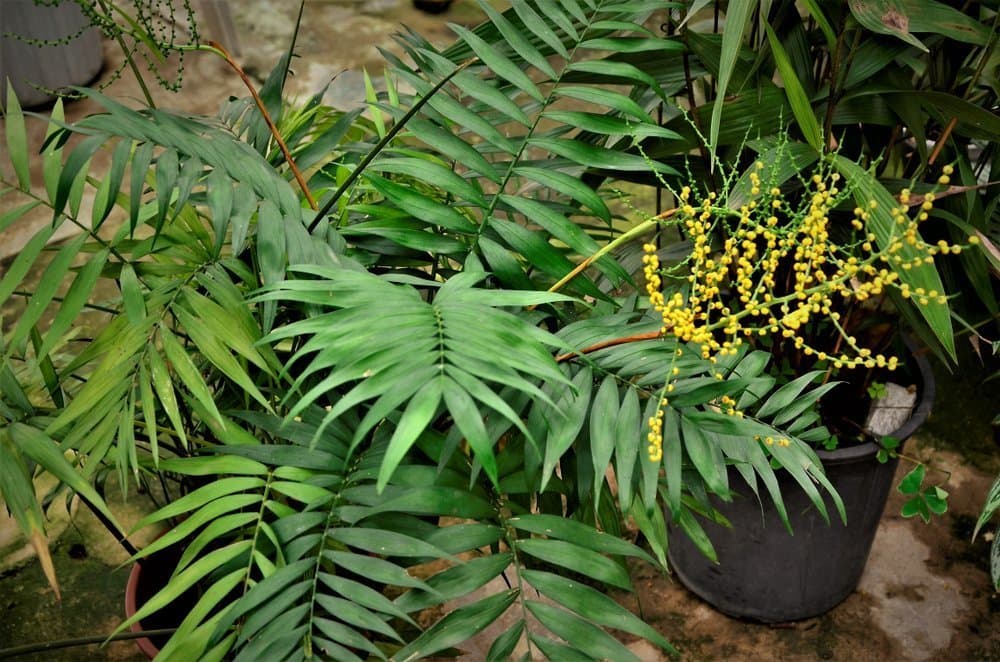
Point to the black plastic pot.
(767, 575)
(432, 6)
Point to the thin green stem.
(390, 134)
(623, 238)
(129, 58)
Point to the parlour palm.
(378, 407)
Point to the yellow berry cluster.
(771, 268)
(655, 436)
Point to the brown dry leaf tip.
(41, 545)
(991, 249)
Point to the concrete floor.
(925, 594)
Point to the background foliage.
(379, 407)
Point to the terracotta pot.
(767, 575)
(132, 605)
(145, 579)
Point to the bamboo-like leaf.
(18, 494)
(458, 626)
(455, 582)
(576, 532)
(209, 465)
(797, 98)
(377, 569)
(25, 259)
(628, 446)
(460, 115)
(165, 392)
(10, 216)
(52, 151)
(187, 371)
(208, 333)
(503, 646)
(990, 506)
(695, 533)
(939, 18)
(787, 394)
(45, 451)
(704, 455)
(603, 417)
(132, 296)
(75, 164)
(553, 650)
(434, 173)
(190, 642)
(45, 290)
(631, 44)
(270, 253)
(17, 138)
(738, 15)
(885, 17)
(554, 223)
(219, 191)
(599, 157)
(498, 63)
(516, 39)
(141, 160)
(573, 406)
(539, 26)
(384, 542)
(593, 605)
(567, 185)
(338, 632)
(578, 559)
(816, 13)
(242, 337)
(364, 596)
(199, 497)
(804, 402)
(265, 592)
(454, 148)
(210, 512)
(416, 417)
(469, 420)
(107, 195)
(420, 206)
(607, 98)
(594, 641)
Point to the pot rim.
(905, 431)
(131, 588)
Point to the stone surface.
(919, 609)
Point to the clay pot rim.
(131, 588)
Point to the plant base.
(766, 574)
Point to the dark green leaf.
(594, 641)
